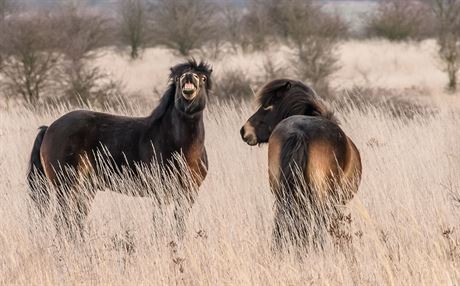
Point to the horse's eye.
(268, 108)
(205, 78)
(195, 76)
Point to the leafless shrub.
(133, 25)
(296, 21)
(257, 25)
(234, 30)
(234, 85)
(449, 54)
(403, 105)
(315, 62)
(5, 7)
(85, 84)
(183, 25)
(340, 231)
(82, 33)
(400, 20)
(453, 243)
(217, 45)
(447, 15)
(29, 60)
(313, 36)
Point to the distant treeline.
(50, 50)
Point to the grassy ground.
(404, 220)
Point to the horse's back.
(72, 138)
(319, 149)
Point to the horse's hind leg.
(278, 233)
(72, 210)
(294, 225)
(41, 198)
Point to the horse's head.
(193, 83)
(278, 100)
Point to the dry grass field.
(404, 222)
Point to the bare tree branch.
(81, 32)
(400, 20)
(132, 26)
(29, 60)
(447, 13)
(183, 25)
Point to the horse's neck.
(176, 130)
(186, 129)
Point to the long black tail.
(309, 211)
(296, 203)
(38, 192)
(294, 156)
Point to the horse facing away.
(174, 128)
(313, 164)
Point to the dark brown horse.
(313, 164)
(174, 128)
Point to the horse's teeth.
(189, 86)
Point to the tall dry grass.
(399, 232)
(403, 226)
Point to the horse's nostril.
(242, 132)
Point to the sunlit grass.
(401, 227)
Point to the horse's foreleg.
(182, 208)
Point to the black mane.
(192, 65)
(295, 99)
(167, 100)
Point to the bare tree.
(447, 14)
(5, 6)
(315, 61)
(297, 20)
(29, 60)
(258, 25)
(234, 85)
(133, 30)
(233, 23)
(81, 33)
(313, 36)
(183, 25)
(400, 20)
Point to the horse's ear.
(311, 110)
(287, 85)
(172, 74)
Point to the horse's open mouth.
(188, 90)
(252, 142)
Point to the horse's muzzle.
(248, 134)
(189, 84)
